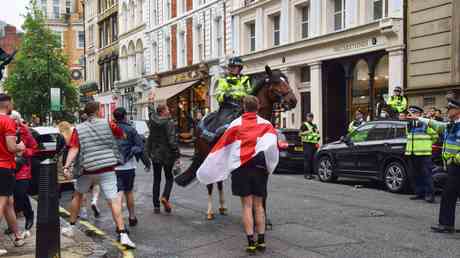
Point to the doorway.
(335, 101)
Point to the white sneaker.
(68, 231)
(3, 252)
(83, 213)
(126, 242)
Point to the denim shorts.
(107, 181)
(125, 180)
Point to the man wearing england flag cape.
(248, 150)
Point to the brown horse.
(270, 88)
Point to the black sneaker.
(96, 211)
(443, 229)
(417, 197)
(156, 210)
(132, 222)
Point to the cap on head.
(119, 114)
(235, 61)
(415, 109)
(310, 115)
(397, 89)
(4, 97)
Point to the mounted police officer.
(397, 103)
(234, 86)
(451, 158)
(357, 122)
(309, 135)
(420, 138)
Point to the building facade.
(65, 19)
(433, 63)
(339, 55)
(132, 88)
(186, 43)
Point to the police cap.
(415, 109)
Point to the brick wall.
(11, 41)
(174, 8)
(189, 41)
(174, 46)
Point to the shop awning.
(165, 93)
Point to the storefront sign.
(55, 94)
(180, 77)
(356, 45)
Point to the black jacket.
(162, 144)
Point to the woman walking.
(162, 147)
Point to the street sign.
(55, 99)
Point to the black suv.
(373, 151)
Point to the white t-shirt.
(131, 164)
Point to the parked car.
(46, 138)
(291, 152)
(374, 151)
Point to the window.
(305, 74)
(154, 57)
(91, 34)
(429, 101)
(219, 38)
(60, 38)
(304, 21)
(81, 39)
(252, 36)
(379, 132)
(101, 36)
(200, 45)
(56, 9)
(182, 58)
(114, 28)
(339, 14)
(167, 61)
(167, 12)
(68, 6)
(106, 33)
(276, 30)
(399, 131)
(361, 134)
(380, 9)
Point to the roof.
(46, 130)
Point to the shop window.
(305, 74)
(339, 14)
(360, 89)
(429, 101)
(276, 29)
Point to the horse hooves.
(210, 216)
(223, 211)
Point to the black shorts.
(7, 182)
(125, 180)
(249, 180)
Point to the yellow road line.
(127, 253)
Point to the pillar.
(284, 22)
(351, 16)
(316, 93)
(296, 112)
(259, 29)
(315, 18)
(395, 69)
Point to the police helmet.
(235, 61)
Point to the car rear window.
(292, 136)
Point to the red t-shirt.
(75, 143)
(7, 128)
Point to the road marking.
(127, 253)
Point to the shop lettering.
(356, 45)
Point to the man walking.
(130, 148)
(163, 149)
(309, 135)
(8, 149)
(420, 138)
(94, 143)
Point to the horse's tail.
(189, 175)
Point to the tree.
(40, 64)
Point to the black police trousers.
(450, 194)
(309, 150)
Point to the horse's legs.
(210, 213)
(222, 209)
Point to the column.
(316, 93)
(260, 29)
(290, 73)
(395, 69)
(284, 22)
(351, 13)
(315, 18)
(236, 36)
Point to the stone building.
(339, 55)
(65, 18)
(10, 40)
(186, 40)
(433, 62)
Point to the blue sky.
(11, 11)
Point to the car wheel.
(325, 170)
(395, 177)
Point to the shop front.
(185, 91)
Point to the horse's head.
(279, 90)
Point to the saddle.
(214, 124)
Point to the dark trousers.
(157, 169)
(21, 198)
(309, 150)
(422, 174)
(450, 194)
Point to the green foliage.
(40, 65)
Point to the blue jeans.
(421, 166)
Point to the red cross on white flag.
(246, 137)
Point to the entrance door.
(335, 102)
(305, 104)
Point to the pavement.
(311, 219)
(81, 246)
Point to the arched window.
(381, 79)
(131, 60)
(140, 58)
(360, 88)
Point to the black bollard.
(48, 241)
